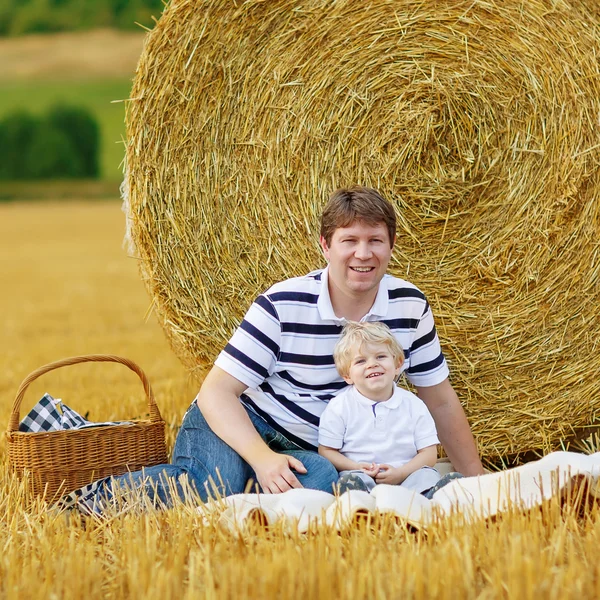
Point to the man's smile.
(363, 269)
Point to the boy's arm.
(339, 461)
(426, 457)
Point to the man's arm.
(452, 427)
(218, 399)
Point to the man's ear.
(324, 247)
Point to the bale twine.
(479, 120)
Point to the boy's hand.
(371, 469)
(390, 475)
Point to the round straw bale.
(479, 120)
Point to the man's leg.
(320, 473)
(207, 465)
(214, 468)
(201, 461)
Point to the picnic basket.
(58, 462)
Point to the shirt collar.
(324, 302)
(394, 402)
(379, 308)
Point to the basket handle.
(13, 423)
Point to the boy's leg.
(445, 480)
(422, 479)
(355, 480)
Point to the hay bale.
(479, 120)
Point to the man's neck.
(351, 308)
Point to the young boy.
(374, 431)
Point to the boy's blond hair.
(354, 335)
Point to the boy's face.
(358, 257)
(373, 370)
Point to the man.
(264, 396)
(256, 416)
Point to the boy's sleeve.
(427, 365)
(332, 427)
(251, 354)
(425, 431)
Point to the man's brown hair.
(347, 205)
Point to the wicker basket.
(59, 462)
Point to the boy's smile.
(373, 370)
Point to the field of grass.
(97, 96)
(69, 288)
(89, 69)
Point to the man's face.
(358, 257)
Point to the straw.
(479, 120)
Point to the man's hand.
(371, 469)
(274, 473)
(390, 475)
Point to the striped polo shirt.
(283, 349)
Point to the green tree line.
(64, 143)
(19, 17)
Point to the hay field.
(69, 288)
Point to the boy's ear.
(348, 380)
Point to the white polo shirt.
(390, 432)
(283, 349)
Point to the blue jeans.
(213, 468)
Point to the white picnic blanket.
(521, 488)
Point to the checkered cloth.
(50, 414)
(89, 499)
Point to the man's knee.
(213, 467)
(320, 475)
(328, 471)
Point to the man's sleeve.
(332, 428)
(251, 354)
(427, 365)
(425, 431)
